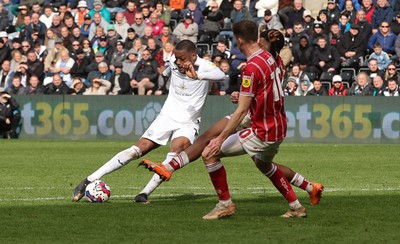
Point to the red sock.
(282, 184)
(218, 177)
(174, 164)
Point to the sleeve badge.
(246, 81)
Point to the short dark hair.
(247, 30)
(186, 45)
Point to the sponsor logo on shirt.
(246, 81)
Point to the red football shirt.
(261, 79)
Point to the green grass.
(360, 204)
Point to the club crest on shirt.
(246, 81)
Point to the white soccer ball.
(97, 191)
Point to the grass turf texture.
(360, 204)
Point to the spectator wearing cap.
(112, 35)
(119, 54)
(349, 10)
(344, 23)
(53, 56)
(386, 38)
(97, 21)
(295, 15)
(130, 62)
(166, 36)
(365, 26)
(120, 81)
(139, 24)
(308, 21)
(130, 38)
(94, 64)
(156, 24)
(196, 13)
(79, 67)
(332, 11)
(106, 48)
(81, 12)
(369, 9)
(323, 17)
(305, 86)
(35, 25)
(187, 30)
(85, 27)
(290, 87)
(10, 116)
(383, 13)
(269, 21)
(102, 10)
(317, 31)
(351, 47)
(121, 26)
(338, 89)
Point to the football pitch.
(360, 203)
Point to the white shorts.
(164, 128)
(246, 141)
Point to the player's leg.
(190, 154)
(177, 145)
(216, 170)
(119, 160)
(313, 189)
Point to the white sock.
(155, 181)
(182, 159)
(298, 181)
(120, 159)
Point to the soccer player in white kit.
(179, 118)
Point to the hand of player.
(190, 71)
(273, 36)
(235, 97)
(213, 147)
(8, 121)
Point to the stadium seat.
(327, 76)
(363, 69)
(202, 48)
(311, 75)
(348, 75)
(326, 84)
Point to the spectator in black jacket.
(145, 75)
(351, 47)
(362, 86)
(57, 87)
(36, 25)
(35, 67)
(5, 53)
(318, 89)
(10, 116)
(120, 81)
(34, 87)
(326, 58)
(303, 53)
(81, 62)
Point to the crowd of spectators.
(116, 47)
